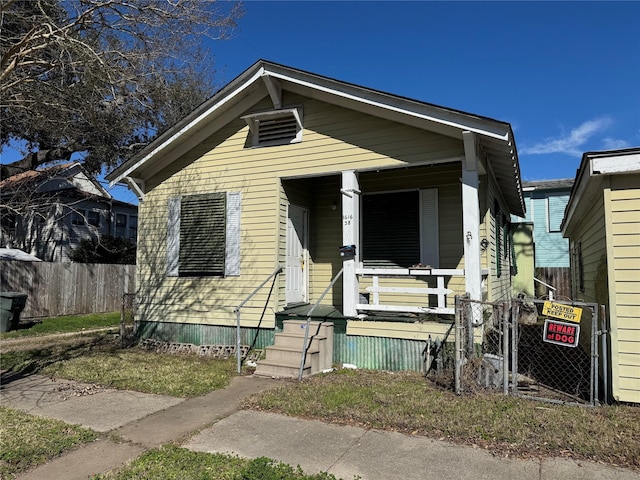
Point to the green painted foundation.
(199, 334)
(374, 353)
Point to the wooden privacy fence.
(67, 288)
(558, 277)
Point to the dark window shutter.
(202, 235)
(391, 229)
(498, 231)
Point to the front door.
(296, 253)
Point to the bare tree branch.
(102, 77)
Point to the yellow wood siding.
(589, 237)
(334, 139)
(622, 199)
(409, 331)
(498, 287)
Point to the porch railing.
(440, 292)
(550, 288)
(306, 343)
(237, 312)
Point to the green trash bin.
(11, 306)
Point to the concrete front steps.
(283, 358)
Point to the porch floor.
(322, 313)
(328, 313)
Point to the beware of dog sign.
(561, 333)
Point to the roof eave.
(496, 133)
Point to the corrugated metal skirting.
(374, 353)
(378, 353)
(198, 334)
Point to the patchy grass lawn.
(73, 323)
(148, 372)
(27, 440)
(173, 463)
(404, 402)
(408, 403)
(98, 359)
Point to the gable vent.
(282, 130)
(276, 127)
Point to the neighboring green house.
(546, 201)
(288, 169)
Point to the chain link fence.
(528, 348)
(555, 351)
(481, 346)
(127, 319)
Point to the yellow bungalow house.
(304, 184)
(602, 222)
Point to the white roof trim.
(196, 121)
(492, 132)
(595, 165)
(393, 108)
(615, 165)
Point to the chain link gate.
(481, 346)
(556, 360)
(555, 353)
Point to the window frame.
(121, 227)
(428, 245)
(555, 229)
(176, 236)
(78, 217)
(95, 221)
(133, 227)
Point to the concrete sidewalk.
(213, 423)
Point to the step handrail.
(236, 310)
(305, 347)
(551, 288)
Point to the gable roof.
(34, 179)
(495, 138)
(594, 166)
(557, 184)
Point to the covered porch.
(407, 239)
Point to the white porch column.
(350, 236)
(471, 217)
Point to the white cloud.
(571, 143)
(614, 144)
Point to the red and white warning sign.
(561, 333)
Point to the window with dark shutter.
(400, 229)
(203, 235)
(498, 232)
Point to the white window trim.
(429, 252)
(232, 241)
(429, 237)
(548, 214)
(548, 209)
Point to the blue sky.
(565, 75)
